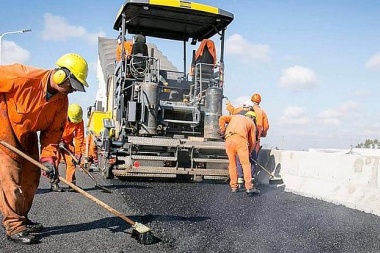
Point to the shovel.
(84, 169)
(140, 232)
(272, 178)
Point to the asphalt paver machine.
(153, 120)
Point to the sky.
(316, 64)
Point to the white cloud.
(298, 78)
(13, 53)
(241, 100)
(293, 111)
(237, 45)
(57, 29)
(374, 62)
(334, 116)
(331, 121)
(294, 115)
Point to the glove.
(85, 160)
(62, 145)
(51, 172)
(228, 102)
(77, 159)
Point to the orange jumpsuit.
(73, 138)
(240, 140)
(127, 49)
(262, 122)
(25, 109)
(91, 151)
(211, 48)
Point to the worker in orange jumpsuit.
(240, 136)
(123, 45)
(262, 124)
(261, 116)
(90, 154)
(73, 140)
(32, 100)
(247, 106)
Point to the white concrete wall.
(351, 180)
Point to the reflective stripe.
(229, 135)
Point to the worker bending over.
(32, 100)
(72, 140)
(240, 136)
(262, 125)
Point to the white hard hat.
(248, 103)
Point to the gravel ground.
(195, 217)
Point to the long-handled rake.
(140, 232)
(85, 170)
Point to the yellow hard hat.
(76, 64)
(256, 98)
(75, 113)
(251, 114)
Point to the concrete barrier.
(349, 179)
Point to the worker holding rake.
(72, 140)
(262, 125)
(240, 135)
(32, 100)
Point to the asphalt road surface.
(194, 217)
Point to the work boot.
(33, 227)
(252, 191)
(240, 182)
(23, 237)
(55, 188)
(94, 167)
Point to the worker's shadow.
(114, 225)
(66, 188)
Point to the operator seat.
(202, 68)
(139, 61)
(206, 56)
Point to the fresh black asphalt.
(194, 217)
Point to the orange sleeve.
(50, 137)
(223, 120)
(7, 77)
(265, 125)
(79, 139)
(233, 110)
(230, 108)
